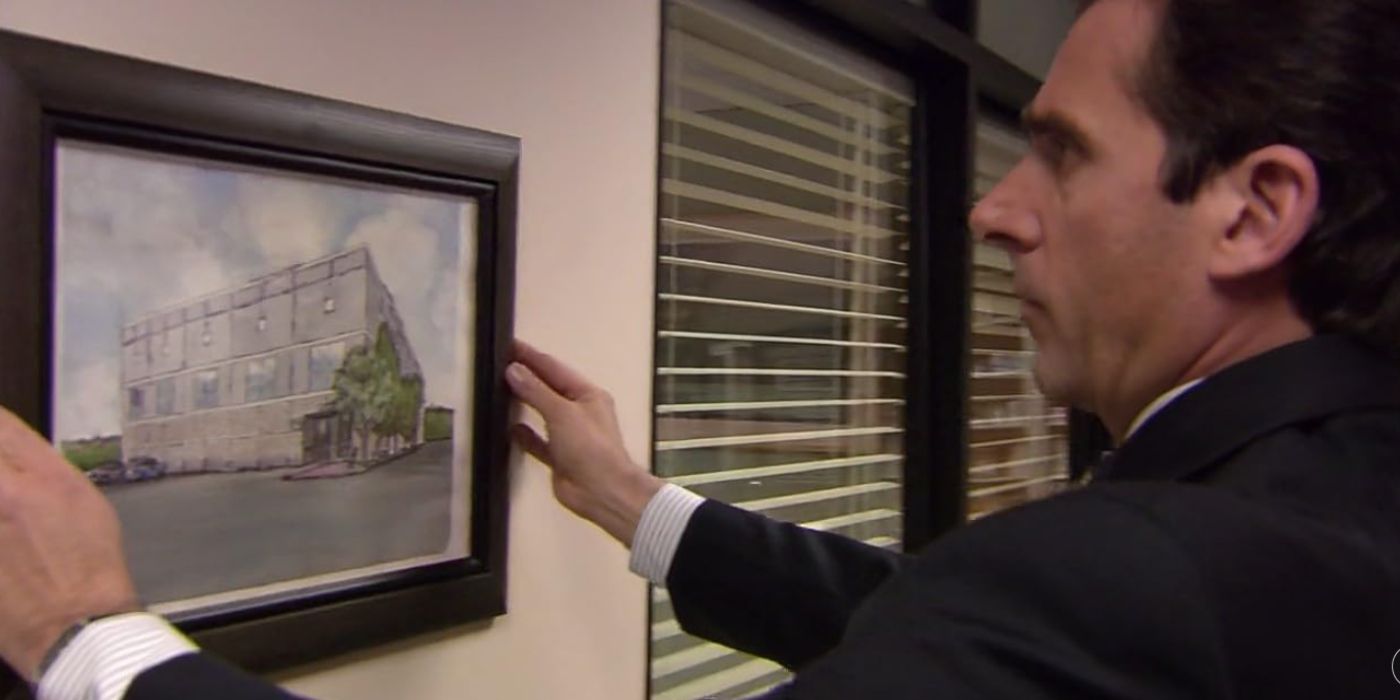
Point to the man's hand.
(60, 548)
(593, 476)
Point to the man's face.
(1105, 263)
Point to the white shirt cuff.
(106, 656)
(659, 532)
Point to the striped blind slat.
(703, 158)
(781, 340)
(782, 293)
(760, 405)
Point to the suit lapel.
(1304, 381)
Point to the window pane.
(206, 392)
(325, 360)
(783, 294)
(1018, 447)
(165, 396)
(137, 403)
(262, 376)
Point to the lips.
(1032, 312)
(1030, 309)
(1023, 292)
(1030, 302)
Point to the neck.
(1236, 342)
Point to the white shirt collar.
(1159, 404)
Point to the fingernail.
(516, 373)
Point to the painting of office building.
(268, 373)
(263, 375)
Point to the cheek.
(1118, 264)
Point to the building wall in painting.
(242, 378)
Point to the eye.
(1052, 148)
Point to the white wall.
(576, 80)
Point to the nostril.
(981, 218)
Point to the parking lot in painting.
(188, 536)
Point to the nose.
(1006, 217)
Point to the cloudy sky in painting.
(138, 232)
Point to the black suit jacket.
(204, 677)
(1244, 543)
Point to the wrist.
(43, 643)
(618, 507)
(51, 639)
(63, 640)
(642, 488)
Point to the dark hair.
(1227, 77)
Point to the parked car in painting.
(107, 473)
(144, 469)
(135, 470)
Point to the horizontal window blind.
(1018, 441)
(782, 294)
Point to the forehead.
(1092, 78)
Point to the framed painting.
(271, 327)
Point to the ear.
(1274, 192)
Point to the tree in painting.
(380, 402)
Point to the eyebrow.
(1057, 125)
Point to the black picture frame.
(50, 90)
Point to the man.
(1207, 250)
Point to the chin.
(1053, 380)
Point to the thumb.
(530, 389)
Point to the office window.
(137, 403)
(1019, 445)
(165, 396)
(325, 360)
(262, 379)
(206, 389)
(782, 293)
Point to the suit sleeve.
(201, 676)
(1080, 597)
(771, 589)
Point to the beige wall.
(576, 80)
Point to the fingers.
(535, 393)
(20, 447)
(562, 378)
(531, 442)
(8, 423)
